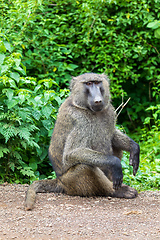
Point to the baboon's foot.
(125, 192)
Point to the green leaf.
(154, 24)
(9, 94)
(12, 166)
(47, 124)
(7, 46)
(2, 47)
(21, 70)
(46, 96)
(24, 67)
(71, 67)
(47, 110)
(157, 33)
(27, 171)
(33, 165)
(15, 76)
(155, 115)
(58, 99)
(147, 120)
(3, 150)
(12, 103)
(44, 154)
(158, 169)
(12, 83)
(17, 61)
(36, 114)
(2, 57)
(4, 68)
(37, 88)
(22, 97)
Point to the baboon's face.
(95, 95)
(90, 91)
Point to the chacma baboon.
(86, 148)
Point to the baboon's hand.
(117, 177)
(117, 182)
(134, 158)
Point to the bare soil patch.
(57, 216)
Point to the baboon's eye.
(96, 82)
(89, 83)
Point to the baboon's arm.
(85, 156)
(123, 142)
(94, 158)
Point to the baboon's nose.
(97, 101)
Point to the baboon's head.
(90, 91)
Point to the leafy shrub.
(148, 175)
(64, 38)
(27, 114)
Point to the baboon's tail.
(52, 185)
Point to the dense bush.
(63, 38)
(27, 114)
(58, 39)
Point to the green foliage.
(156, 27)
(64, 38)
(27, 114)
(58, 39)
(148, 175)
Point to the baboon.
(86, 148)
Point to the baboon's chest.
(100, 134)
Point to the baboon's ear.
(72, 83)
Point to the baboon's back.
(62, 127)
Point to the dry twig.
(122, 105)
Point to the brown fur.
(83, 146)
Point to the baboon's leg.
(124, 191)
(81, 180)
(85, 180)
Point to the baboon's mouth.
(97, 108)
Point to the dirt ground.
(57, 216)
